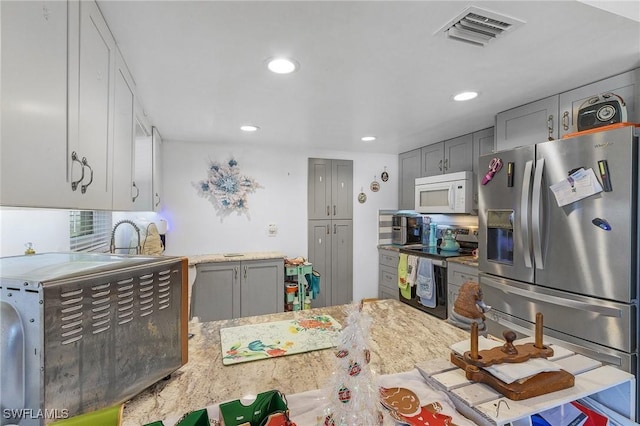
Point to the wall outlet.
(272, 230)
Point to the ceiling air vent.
(478, 26)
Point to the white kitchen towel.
(412, 270)
(425, 286)
(509, 373)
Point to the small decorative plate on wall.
(384, 176)
(375, 186)
(362, 198)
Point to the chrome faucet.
(113, 247)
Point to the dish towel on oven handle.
(405, 289)
(412, 270)
(424, 281)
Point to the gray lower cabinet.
(388, 274)
(458, 274)
(331, 253)
(225, 290)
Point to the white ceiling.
(367, 67)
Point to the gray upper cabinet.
(623, 85)
(458, 154)
(76, 153)
(432, 159)
(33, 142)
(409, 166)
(483, 143)
(553, 117)
(450, 156)
(527, 124)
(125, 191)
(330, 189)
(91, 91)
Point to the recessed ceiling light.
(282, 65)
(249, 128)
(368, 138)
(465, 96)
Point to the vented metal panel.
(479, 26)
(115, 333)
(95, 339)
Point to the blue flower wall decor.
(226, 188)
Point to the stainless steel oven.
(467, 238)
(439, 306)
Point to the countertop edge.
(234, 257)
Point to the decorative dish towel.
(405, 288)
(412, 270)
(424, 281)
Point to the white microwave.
(447, 193)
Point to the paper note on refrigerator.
(580, 184)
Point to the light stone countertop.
(401, 336)
(234, 257)
(465, 260)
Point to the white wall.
(48, 230)
(195, 227)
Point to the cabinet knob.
(440, 165)
(550, 127)
(565, 121)
(446, 163)
(157, 202)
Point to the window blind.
(89, 230)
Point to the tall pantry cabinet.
(330, 229)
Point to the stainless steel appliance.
(467, 238)
(81, 332)
(406, 228)
(447, 193)
(577, 263)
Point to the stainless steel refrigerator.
(558, 234)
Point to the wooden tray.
(540, 384)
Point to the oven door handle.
(451, 197)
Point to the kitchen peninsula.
(401, 336)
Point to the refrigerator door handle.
(524, 215)
(535, 214)
(555, 300)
